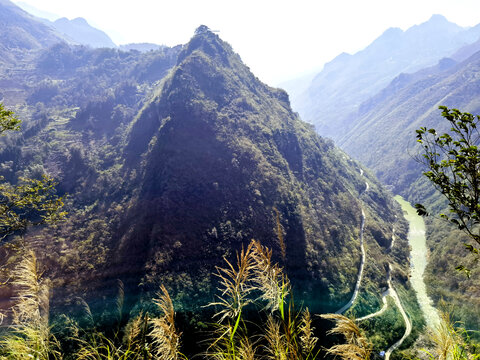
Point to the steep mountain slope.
(348, 80)
(409, 102)
(220, 152)
(81, 32)
(166, 175)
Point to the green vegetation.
(453, 160)
(31, 202)
(8, 121)
(175, 158)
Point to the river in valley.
(418, 261)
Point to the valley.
(419, 257)
(205, 213)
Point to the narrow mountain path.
(384, 300)
(408, 323)
(386, 292)
(379, 312)
(360, 272)
(362, 261)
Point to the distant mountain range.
(338, 90)
(37, 12)
(20, 30)
(75, 31)
(81, 32)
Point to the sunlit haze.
(278, 39)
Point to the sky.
(278, 39)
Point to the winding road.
(390, 292)
(360, 272)
(408, 323)
(379, 312)
(362, 261)
(384, 300)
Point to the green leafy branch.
(453, 163)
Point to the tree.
(30, 202)
(453, 163)
(8, 121)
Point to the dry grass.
(257, 280)
(269, 279)
(30, 335)
(166, 338)
(307, 337)
(246, 350)
(276, 345)
(450, 342)
(135, 331)
(253, 280)
(230, 342)
(94, 345)
(235, 286)
(356, 346)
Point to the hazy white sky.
(278, 39)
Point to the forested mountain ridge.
(348, 80)
(260, 157)
(169, 170)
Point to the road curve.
(360, 272)
(384, 300)
(408, 324)
(379, 312)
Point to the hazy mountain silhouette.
(348, 80)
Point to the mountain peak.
(392, 32)
(202, 29)
(80, 21)
(210, 44)
(435, 24)
(82, 32)
(437, 18)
